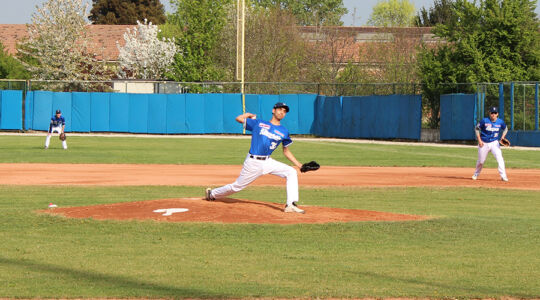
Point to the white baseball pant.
(48, 139)
(483, 151)
(254, 168)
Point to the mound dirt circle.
(224, 211)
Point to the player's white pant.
(483, 151)
(253, 169)
(48, 139)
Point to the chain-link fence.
(170, 87)
(519, 101)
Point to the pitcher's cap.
(281, 104)
(58, 111)
(494, 109)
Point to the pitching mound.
(224, 211)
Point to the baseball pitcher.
(488, 131)
(265, 138)
(58, 124)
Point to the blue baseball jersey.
(266, 137)
(56, 122)
(490, 131)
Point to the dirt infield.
(216, 175)
(245, 211)
(224, 211)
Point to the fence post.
(536, 107)
(483, 104)
(501, 101)
(512, 106)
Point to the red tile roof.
(104, 37)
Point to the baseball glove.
(62, 136)
(310, 166)
(505, 142)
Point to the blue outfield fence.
(11, 110)
(458, 113)
(384, 117)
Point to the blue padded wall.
(99, 111)
(11, 110)
(252, 104)
(62, 101)
(457, 117)
(306, 112)
(352, 124)
(157, 113)
(213, 116)
(43, 102)
(333, 117)
(195, 113)
(232, 107)
(80, 112)
(266, 104)
(176, 113)
(291, 119)
(396, 116)
(138, 113)
(119, 112)
(385, 117)
(29, 111)
(524, 138)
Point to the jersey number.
(273, 145)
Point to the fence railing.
(170, 87)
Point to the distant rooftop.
(106, 36)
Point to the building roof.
(104, 37)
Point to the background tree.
(440, 13)
(144, 55)
(496, 41)
(120, 12)
(196, 26)
(309, 12)
(10, 67)
(58, 47)
(392, 13)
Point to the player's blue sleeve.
(250, 123)
(480, 124)
(63, 121)
(287, 140)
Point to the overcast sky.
(20, 11)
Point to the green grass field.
(480, 242)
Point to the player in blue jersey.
(488, 131)
(58, 124)
(265, 138)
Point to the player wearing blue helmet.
(58, 124)
(488, 131)
(265, 138)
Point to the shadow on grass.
(463, 291)
(99, 280)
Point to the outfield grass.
(479, 243)
(94, 149)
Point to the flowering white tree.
(145, 56)
(58, 47)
